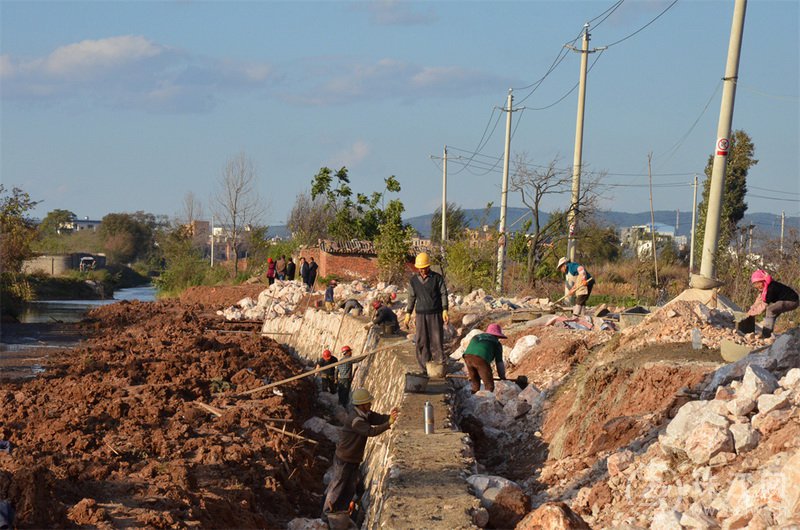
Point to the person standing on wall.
(360, 424)
(280, 268)
(312, 273)
(427, 294)
(329, 305)
(304, 271)
(578, 282)
(270, 271)
(290, 269)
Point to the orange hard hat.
(326, 354)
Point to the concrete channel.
(413, 479)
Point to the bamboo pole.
(318, 370)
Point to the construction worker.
(478, 357)
(578, 282)
(351, 304)
(774, 297)
(385, 317)
(360, 424)
(427, 293)
(344, 375)
(328, 376)
(329, 295)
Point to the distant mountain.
(768, 223)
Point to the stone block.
(618, 462)
(791, 379)
(757, 381)
(770, 402)
(522, 348)
(706, 440)
(790, 504)
(666, 518)
(741, 406)
(553, 516)
(770, 421)
(745, 437)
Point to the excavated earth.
(110, 434)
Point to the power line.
(679, 143)
(773, 198)
(643, 27)
(773, 191)
(610, 12)
(571, 90)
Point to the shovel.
(590, 280)
(520, 380)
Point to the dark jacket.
(355, 431)
(778, 292)
(304, 272)
(385, 315)
(329, 373)
(290, 270)
(329, 294)
(429, 295)
(312, 273)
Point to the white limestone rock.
(459, 352)
(665, 518)
(307, 524)
(757, 381)
(770, 402)
(706, 441)
(745, 438)
(486, 487)
(505, 391)
(522, 348)
(515, 409)
(320, 426)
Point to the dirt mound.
(110, 435)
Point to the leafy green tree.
(184, 263)
(393, 243)
(127, 237)
(471, 264)
(359, 218)
(456, 223)
(17, 230)
(740, 160)
(56, 223)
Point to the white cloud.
(352, 155)
(97, 55)
(130, 71)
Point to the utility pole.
(711, 240)
(572, 215)
(444, 197)
(501, 241)
(783, 222)
(750, 240)
(212, 240)
(677, 221)
(652, 218)
(694, 227)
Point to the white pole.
(501, 247)
(783, 221)
(694, 227)
(444, 196)
(212, 240)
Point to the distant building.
(76, 225)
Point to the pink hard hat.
(494, 329)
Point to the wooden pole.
(320, 369)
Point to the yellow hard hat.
(361, 396)
(423, 261)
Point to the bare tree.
(237, 203)
(191, 209)
(534, 184)
(309, 219)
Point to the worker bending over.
(774, 297)
(481, 351)
(360, 424)
(385, 317)
(578, 282)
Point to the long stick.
(320, 369)
(218, 412)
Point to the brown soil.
(109, 435)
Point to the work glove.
(406, 320)
(444, 316)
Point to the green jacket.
(487, 347)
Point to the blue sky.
(125, 106)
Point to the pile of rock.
(479, 301)
(674, 324)
(279, 299)
(728, 462)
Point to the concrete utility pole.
(444, 196)
(711, 240)
(694, 227)
(501, 242)
(572, 215)
(783, 222)
(212, 240)
(652, 216)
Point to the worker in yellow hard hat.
(427, 294)
(360, 424)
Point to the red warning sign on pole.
(722, 146)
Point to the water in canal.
(74, 310)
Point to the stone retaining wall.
(413, 480)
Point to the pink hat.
(494, 329)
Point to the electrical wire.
(481, 143)
(562, 98)
(772, 191)
(674, 149)
(766, 94)
(643, 27)
(610, 12)
(773, 198)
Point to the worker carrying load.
(360, 424)
(774, 297)
(481, 351)
(329, 375)
(578, 282)
(427, 293)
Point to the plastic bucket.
(435, 370)
(416, 383)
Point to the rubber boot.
(766, 333)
